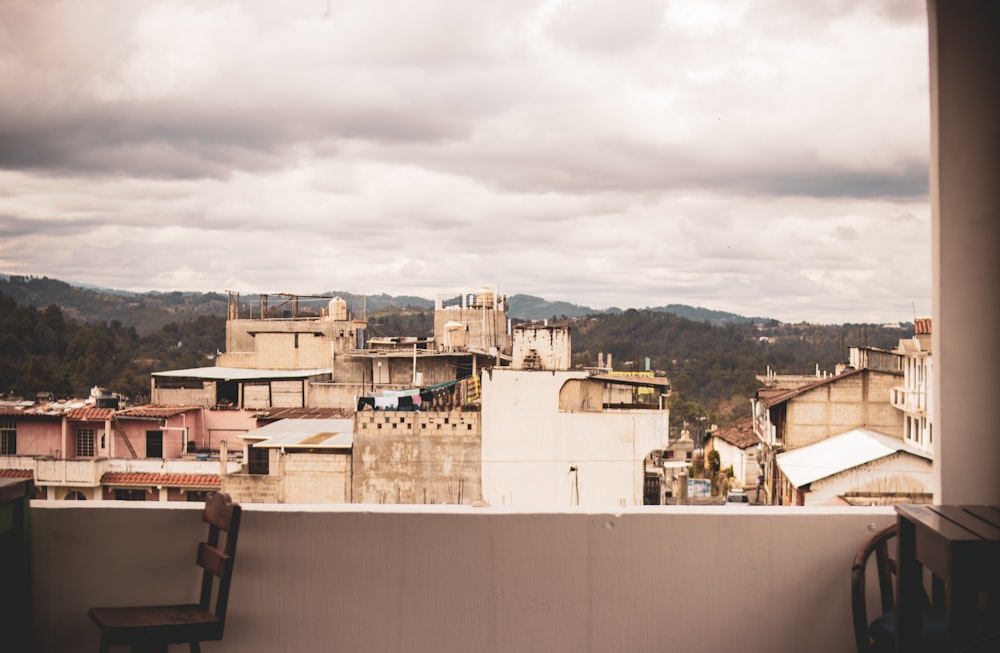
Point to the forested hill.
(716, 365)
(148, 312)
(51, 340)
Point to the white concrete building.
(914, 397)
(859, 467)
(549, 439)
(739, 448)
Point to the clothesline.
(441, 396)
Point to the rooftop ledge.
(456, 578)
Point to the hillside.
(149, 312)
(55, 337)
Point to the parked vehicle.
(737, 495)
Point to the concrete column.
(965, 202)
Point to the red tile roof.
(155, 411)
(171, 480)
(739, 434)
(922, 326)
(16, 473)
(90, 414)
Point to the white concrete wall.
(965, 208)
(743, 461)
(441, 579)
(899, 474)
(529, 445)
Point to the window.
(154, 444)
(130, 495)
(75, 495)
(8, 438)
(258, 460)
(196, 495)
(85, 443)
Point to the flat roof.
(653, 381)
(239, 373)
(305, 434)
(840, 453)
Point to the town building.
(310, 351)
(739, 449)
(785, 420)
(859, 467)
(913, 398)
(91, 449)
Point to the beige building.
(859, 467)
(913, 397)
(310, 351)
(785, 420)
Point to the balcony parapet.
(909, 400)
(370, 578)
(87, 472)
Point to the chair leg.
(195, 647)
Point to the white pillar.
(965, 202)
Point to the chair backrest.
(221, 515)
(878, 544)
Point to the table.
(960, 545)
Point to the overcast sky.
(766, 157)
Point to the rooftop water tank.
(484, 298)
(338, 309)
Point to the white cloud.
(765, 157)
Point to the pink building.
(74, 450)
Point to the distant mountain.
(698, 314)
(149, 312)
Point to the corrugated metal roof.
(273, 414)
(305, 433)
(240, 374)
(654, 381)
(145, 479)
(839, 453)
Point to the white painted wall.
(898, 473)
(965, 208)
(435, 579)
(743, 461)
(529, 445)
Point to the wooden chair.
(880, 634)
(152, 628)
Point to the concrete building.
(785, 420)
(739, 448)
(552, 438)
(74, 450)
(914, 397)
(310, 351)
(295, 461)
(859, 467)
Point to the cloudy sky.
(766, 157)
